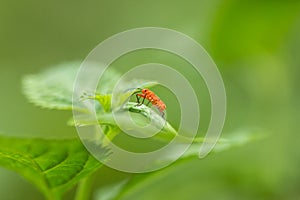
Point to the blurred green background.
(255, 44)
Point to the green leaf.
(141, 115)
(140, 181)
(53, 166)
(236, 139)
(53, 88)
(110, 192)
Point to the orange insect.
(151, 97)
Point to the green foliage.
(111, 191)
(53, 88)
(53, 166)
(127, 187)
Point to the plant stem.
(84, 188)
(53, 196)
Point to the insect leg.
(148, 103)
(138, 98)
(144, 99)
